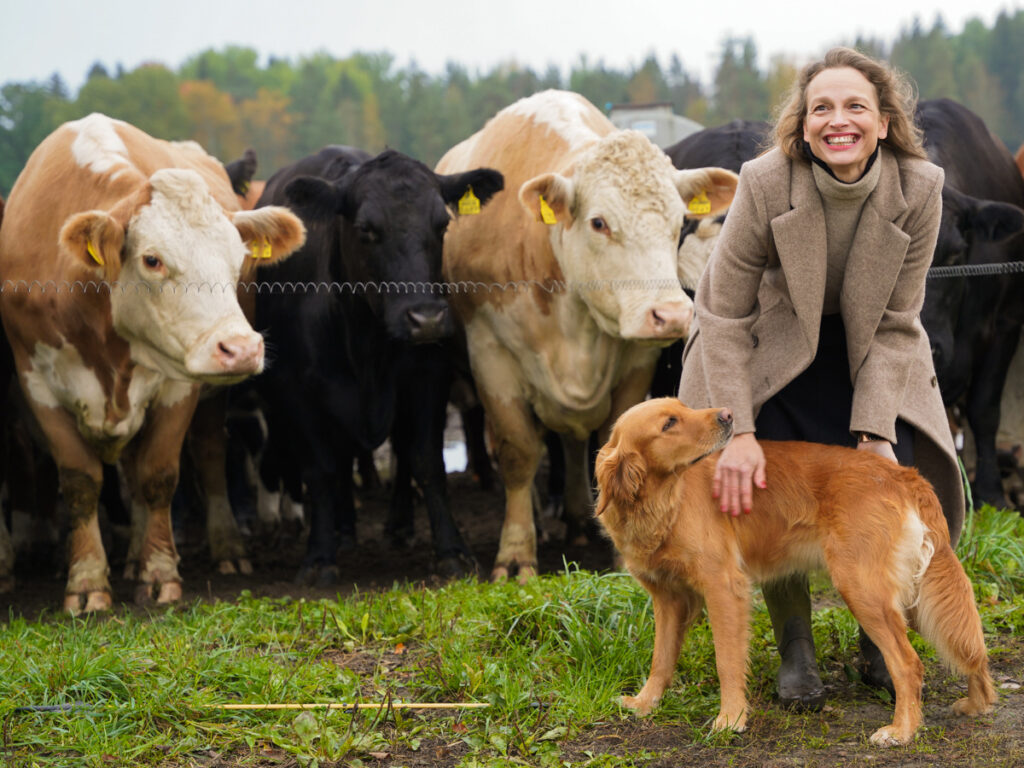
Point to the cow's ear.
(241, 171)
(313, 198)
(271, 233)
(93, 240)
(480, 183)
(706, 191)
(994, 222)
(549, 198)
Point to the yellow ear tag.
(92, 252)
(261, 249)
(699, 203)
(546, 214)
(469, 204)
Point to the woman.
(807, 314)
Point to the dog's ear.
(620, 476)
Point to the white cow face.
(174, 299)
(618, 219)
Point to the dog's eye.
(671, 422)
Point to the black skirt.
(816, 405)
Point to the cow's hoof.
(161, 594)
(329, 576)
(456, 567)
(234, 567)
(170, 592)
(131, 568)
(87, 602)
(524, 572)
(316, 575)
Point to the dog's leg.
(872, 604)
(674, 611)
(728, 601)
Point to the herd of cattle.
(541, 266)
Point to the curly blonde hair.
(896, 98)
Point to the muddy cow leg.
(156, 459)
(208, 444)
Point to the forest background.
(285, 109)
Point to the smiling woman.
(807, 315)
(843, 123)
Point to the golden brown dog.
(877, 527)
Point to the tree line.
(227, 101)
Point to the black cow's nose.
(427, 324)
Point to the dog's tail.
(947, 617)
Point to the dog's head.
(654, 441)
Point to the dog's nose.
(725, 416)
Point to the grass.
(551, 659)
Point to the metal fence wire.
(413, 287)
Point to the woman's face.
(843, 123)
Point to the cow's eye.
(599, 225)
(670, 422)
(367, 233)
(152, 262)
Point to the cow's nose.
(427, 324)
(242, 353)
(670, 320)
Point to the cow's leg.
(579, 498)
(519, 446)
(328, 479)
(88, 588)
(208, 444)
(6, 558)
(418, 438)
(401, 509)
(155, 456)
(80, 474)
(983, 413)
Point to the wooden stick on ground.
(336, 705)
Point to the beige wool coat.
(759, 305)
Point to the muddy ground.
(776, 738)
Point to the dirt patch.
(776, 738)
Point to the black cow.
(725, 146)
(974, 323)
(364, 360)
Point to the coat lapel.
(802, 248)
(876, 256)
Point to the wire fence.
(414, 287)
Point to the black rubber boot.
(789, 605)
(873, 671)
(798, 681)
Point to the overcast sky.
(39, 37)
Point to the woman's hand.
(740, 465)
(882, 448)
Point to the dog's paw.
(639, 705)
(967, 708)
(730, 722)
(890, 736)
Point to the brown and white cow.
(577, 346)
(119, 256)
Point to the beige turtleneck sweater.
(842, 203)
